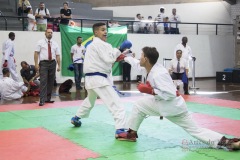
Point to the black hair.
(79, 37)
(65, 3)
(151, 53)
(24, 62)
(138, 14)
(179, 50)
(97, 25)
(161, 9)
(184, 38)
(11, 34)
(5, 71)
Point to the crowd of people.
(162, 24)
(46, 56)
(38, 20)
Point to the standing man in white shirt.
(46, 54)
(77, 54)
(159, 28)
(174, 18)
(98, 62)
(177, 68)
(186, 54)
(41, 14)
(8, 60)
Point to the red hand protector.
(177, 93)
(120, 58)
(32, 84)
(145, 88)
(5, 64)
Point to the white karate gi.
(99, 57)
(11, 89)
(8, 54)
(166, 103)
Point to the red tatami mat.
(212, 101)
(218, 124)
(39, 144)
(31, 106)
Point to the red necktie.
(49, 51)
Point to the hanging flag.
(69, 37)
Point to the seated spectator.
(138, 27)
(11, 89)
(55, 25)
(179, 69)
(72, 23)
(65, 14)
(41, 14)
(29, 76)
(109, 24)
(115, 24)
(166, 25)
(149, 26)
(31, 21)
(23, 7)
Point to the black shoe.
(186, 93)
(41, 103)
(49, 101)
(79, 88)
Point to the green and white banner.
(69, 37)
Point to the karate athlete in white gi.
(10, 89)
(98, 61)
(164, 100)
(8, 60)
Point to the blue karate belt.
(115, 88)
(103, 75)
(96, 74)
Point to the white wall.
(213, 53)
(207, 12)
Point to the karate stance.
(165, 101)
(98, 61)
